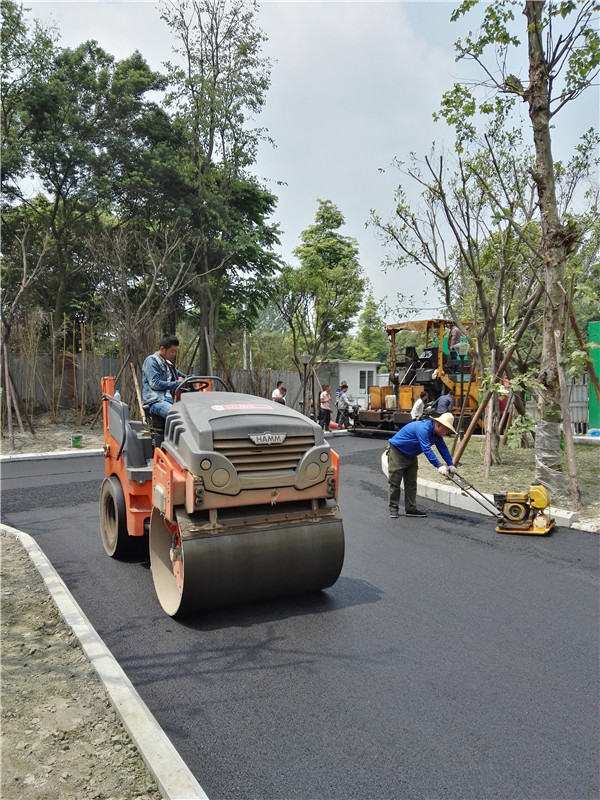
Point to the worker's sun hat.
(447, 420)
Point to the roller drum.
(237, 568)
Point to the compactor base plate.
(530, 531)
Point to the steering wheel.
(192, 384)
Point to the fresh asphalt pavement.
(448, 661)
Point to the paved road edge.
(171, 773)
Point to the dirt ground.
(50, 436)
(60, 735)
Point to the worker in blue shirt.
(404, 448)
(444, 403)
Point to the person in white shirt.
(276, 393)
(417, 409)
(282, 394)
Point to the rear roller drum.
(191, 574)
(113, 518)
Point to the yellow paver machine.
(433, 367)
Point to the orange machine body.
(138, 496)
(169, 486)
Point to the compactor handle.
(467, 488)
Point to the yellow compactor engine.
(524, 512)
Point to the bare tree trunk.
(568, 429)
(7, 394)
(491, 433)
(554, 246)
(503, 364)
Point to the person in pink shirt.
(325, 407)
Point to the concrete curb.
(171, 773)
(57, 454)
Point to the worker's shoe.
(416, 513)
(394, 513)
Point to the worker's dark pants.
(401, 467)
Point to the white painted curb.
(60, 454)
(171, 773)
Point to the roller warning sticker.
(242, 407)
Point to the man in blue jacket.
(405, 446)
(444, 403)
(160, 377)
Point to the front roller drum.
(231, 569)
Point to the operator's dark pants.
(401, 467)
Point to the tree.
(320, 298)
(485, 268)
(26, 57)
(80, 116)
(563, 52)
(135, 299)
(218, 85)
(371, 342)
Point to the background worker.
(419, 406)
(342, 388)
(160, 377)
(276, 393)
(454, 338)
(325, 407)
(343, 405)
(444, 403)
(404, 448)
(282, 391)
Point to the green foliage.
(371, 342)
(221, 79)
(525, 383)
(519, 427)
(217, 86)
(25, 58)
(572, 54)
(320, 299)
(149, 213)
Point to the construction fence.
(68, 383)
(75, 384)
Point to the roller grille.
(249, 457)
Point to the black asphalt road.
(447, 662)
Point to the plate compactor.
(237, 497)
(515, 512)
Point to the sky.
(353, 87)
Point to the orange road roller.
(236, 497)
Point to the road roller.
(236, 498)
